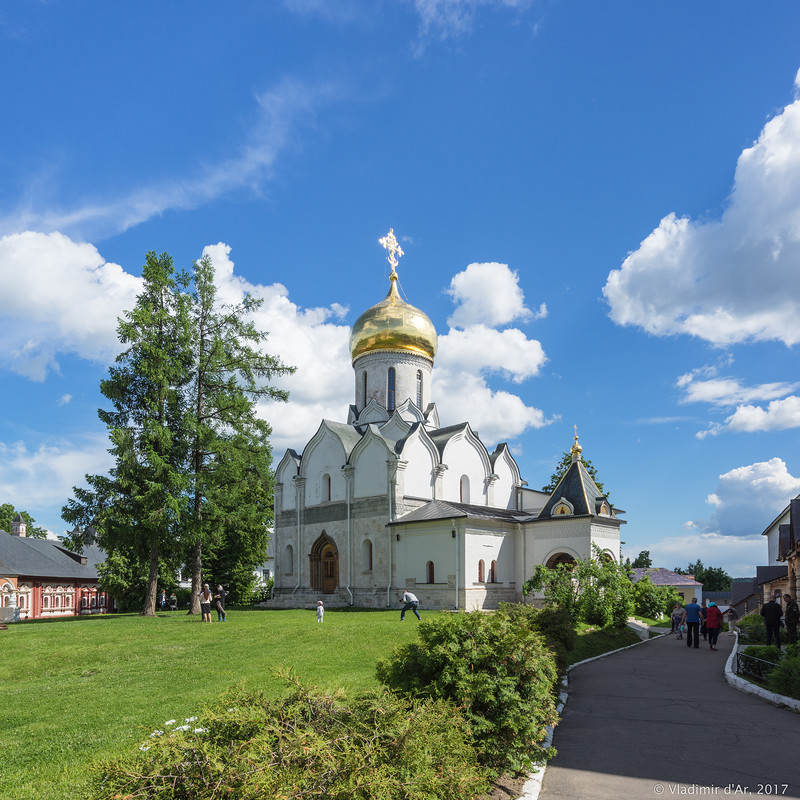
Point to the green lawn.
(78, 689)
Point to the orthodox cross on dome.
(576, 448)
(390, 243)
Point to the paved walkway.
(659, 720)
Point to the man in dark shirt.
(772, 614)
(693, 620)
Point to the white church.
(391, 500)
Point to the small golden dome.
(395, 325)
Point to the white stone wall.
(370, 475)
(465, 457)
(377, 364)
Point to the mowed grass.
(77, 690)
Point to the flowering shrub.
(310, 745)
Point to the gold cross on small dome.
(390, 243)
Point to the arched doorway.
(559, 558)
(324, 562)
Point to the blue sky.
(599, 206)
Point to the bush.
(647, 599)
(499, 671)
(752, 629)
(556, 627)
(764, 652)
(309, 746)
(785, 678)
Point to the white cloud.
(280, 112)
(479, 349)
(451, 19)
(737, 555)
(777, 416)
(41, 479)
(496, 415)
(65, 399)
(729, 391)
(747, 499)
(488, 294)
(59, 296)
(727, 280)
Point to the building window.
(419, 388)
(288, 560)
(390, 390)
(46, 602)
(326, 487)
(493, 572)
(364, 388)
(429, 570)
(463, 489)
(481, 568)
(366, 556)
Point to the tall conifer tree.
(230, 456)
(137, 510)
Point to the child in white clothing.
(320, 611)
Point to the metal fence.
(753, 667)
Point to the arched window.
(366, 556)
(364, 388)
(463, 489)
(288, 560)
(493, 572)
(419, 388)
(326, 488)
(390, 391)
(429, 570)
(481, 571)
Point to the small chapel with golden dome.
(391, 500)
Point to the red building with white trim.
(42, 579)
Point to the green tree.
(714, 579)
(593, 590)
(643, 560)
(230, 456)
(137, 510)
(8, 514)
(564, 465)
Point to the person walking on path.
(772, 614)
(703, 614)
(410, 604)
(693, 621)
(219, 604)
(733, 616)
(791, 616)
(713, 624)
(678, 615)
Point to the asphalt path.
(659, 720)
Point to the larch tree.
(230, 457)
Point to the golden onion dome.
(393, 325)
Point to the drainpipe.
(458, 556)
(348, 478)
(299, 498)
(391, 463)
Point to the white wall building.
(390, 500)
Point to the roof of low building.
(663, 577)
(45, 558)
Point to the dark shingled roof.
(441, 509)
(45, 558)
(576, 486)
(441, 436)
